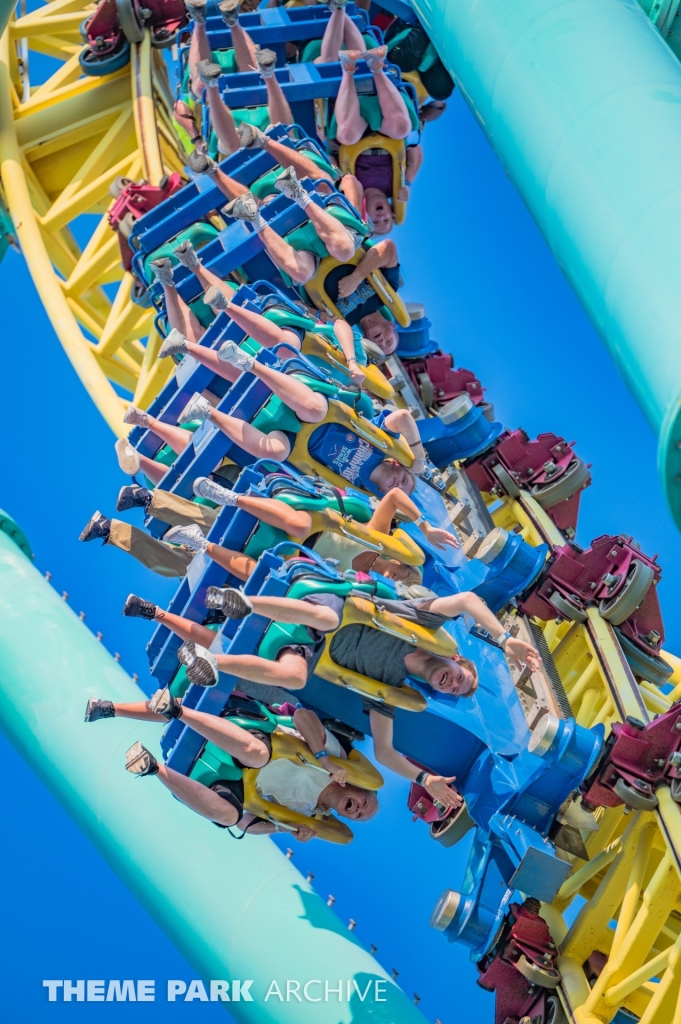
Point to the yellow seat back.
(422, 94)
(374, 380)
(347, 160)
(316, 290)
(393, 447)
(360, 611)
(398, 545)
(360, 772)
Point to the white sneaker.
(244, 207)
(186, 254)
(235, 356)
(139, 417)
(174, 345)
(288, 183)
(266, 61)
(128, 458)
(190, 536)
(162, 269)
(197, 408)
(216, 299)
(204, 487)
(202, 666)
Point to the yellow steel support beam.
(145, 114)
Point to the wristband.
(321, 753)
(501, 640)
(420, 779)
(421, 519)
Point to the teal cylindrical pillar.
(236, 910)
(581, 99)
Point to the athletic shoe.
(209, 73)
(204, 487)
(232, 602)
(244, 207)
(235, 356)
(266, 61)
(186, 254)
(201, 665)
(251, 137)
(214, 298)
(139, 761)
(137, 608)
(197, 408)
(133, 496)
(287, 182)
(97, 709)
(128, 457)
(190, 536)
(375, 58)
(138, 417)
(97, 528)
(201, 163)
(229, 9)
(174, 345)
(163, 703)
(162, 270)
(197, 10)
(348, 60)
(335, 5)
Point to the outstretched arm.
(313, 732)
(517, 651)
(346, 340)
(438, 786)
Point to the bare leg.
(198, 797)
(278, 514)
(351, 187)
(244, 48)
(139, 711)
(302, 165)
(396, 123)
(176, 437)
(209, 357)
(155, 471)
(352, 37)
(180, 315)
(185, 628)
(199, 49)
(350, 123)
(333, 39)
(233, 562)
(300, 266)
(238, 742)
(301, 613)
(228, 186)
(274, 445)
(333, 234)
(308, 406)
(208, 279)
(263, 330)
(223, 122)
(280, 111)
(289, 672)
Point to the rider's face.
(381, 331)
(389, 474)
(447, 675)
(379, 210)
(357, 804)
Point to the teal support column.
(581, 100)
(235, 910)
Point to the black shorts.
(415, 609)
(231, 790)
(311, 651)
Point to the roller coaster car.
(438, 382)
(637, 758)
(521, 969)
(117, 24)
(132, 200)
(617, 575)
(546, 467)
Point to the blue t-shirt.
(346, 454)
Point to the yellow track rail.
(617, 918)
(63, 142)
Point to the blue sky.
(471, 252)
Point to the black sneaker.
(97, 709)
(98, 528)
(133, 496)
(232, 602)
(137, 608)
(139, 761)
(163, 703)
(201, 665)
